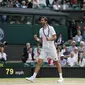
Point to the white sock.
(34, 75)
(60, 74)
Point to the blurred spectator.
(81, 47)
(30, 55)
(66, 53)
(76, 54)
(71, 60)
(23, 4)
(83, 34)
(3, 56)
(76, 5)
(59, 40)
(78, 37)
(73, 45)
(17, 4)
(62, 60)
(29, 4)
(83, 7)
(42, 3)
(66, 5)
(35, 3)
(56, 5)
(63, 49)
(4, 18)
(25, 52)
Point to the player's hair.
(45, 18)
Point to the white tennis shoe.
(60, 80)
(30, 79)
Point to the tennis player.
(47, 37)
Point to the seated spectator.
(71, 60)
(3, 56)
(62, 60)
(17, 4)
(59, 40)
(83, 34)
(35, 3)
(66, 53)
(78, 37)
(23, 4)
(63, 49)
(76, 54)
(30, 55)
(83, 5)
(76, 5)
(81, 47)
(73, 45)
(56, 5)
(65, 5)
(36, 52)
(29, 4)
(25, 52)
(81, 60)
(42, 3)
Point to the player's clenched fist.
(35, 36)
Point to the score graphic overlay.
(14, 72)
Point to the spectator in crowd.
(73, 45)
(65, 5)
(83, 34)
(62, 60)
(17, 4)
(23, 4)
(81, 47)
(29, 4)
(78, 28)
(59, 41)
(71, 60)
(30, 55)
(63, 49)
(66, 53)
(56, 5)
(42, 3)
(25, 52)
(76, 54)
(58, 52)
(35, 3)
(78, 37)
(83, 8)
(4, 18)
(3, 56)
(76, 5)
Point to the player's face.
(43, 21)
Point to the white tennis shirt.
(47, 32)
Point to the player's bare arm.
(38, 39)
(53, 38)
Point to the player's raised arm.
(38, 39)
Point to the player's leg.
(59, 71)
(40, 61)
(53, 53)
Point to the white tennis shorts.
(49, 52)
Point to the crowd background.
(47, 4)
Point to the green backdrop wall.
(22, 33)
